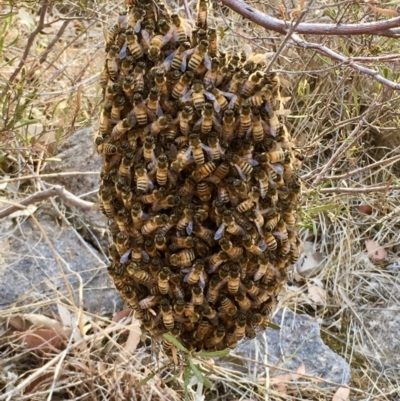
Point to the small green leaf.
(207, 382)
(186, 382)
(146, 379)
(212, 354)
(274, 326)
(196, 371)
(174, 341)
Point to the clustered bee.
(198, 179)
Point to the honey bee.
(126, 66)
(182, 85)
(217, 337)
(203, 233)
(149, 302)
(155, 196)
(289, 218)
(123, 126)
(138, 80)
(185, 117)
(135, 18)
(153, 105)
(139, 274)
(187, 188)
(212, 38)
(180, 30)
(179, 306)
(143, 182)
(117, 105)
(106, 199)
(198, 96)
(236, 81)
(243, 302)
(258, 128)
(195, 274)
(153, 223)
(166, 312)
(294, 251)
(211, 76)
(206, 120)
(133, 44)
(249, 86)
(261, 176)
(202, 330)
(203, 191)
(199, 55)
(244, 119)
(112, 34)
(197, 294)
(270, 241)
(138, 216)
(249, 244)
(175, 60)
(234, 278)
(183, 258)
(148, 149)
(228, 306)
(202, 13)
(162, 170)
(104, 148)
(204, 171)
(127, 86)
(161, 82)
(281, 231)
(243, 167)
(112, 62)
(216, 260)
(228, 125)
(166, 203)
(186, 222)
(158, 125)
(172, 222)
(240, 326)
(140, 109)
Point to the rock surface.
(298, 341)
(77, 153)
(29, 271)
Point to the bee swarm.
(197, 179)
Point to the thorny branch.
(388, 28)
(57, 190)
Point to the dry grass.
(345, 125)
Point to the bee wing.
(145, 38)
(262, 245)
(202, 281)
(122, 53)
(187, 96)
(207, 61)
(277, 167)
(217, 125)
(125, 256)
(167, 37)
(242, 175)
(189, 227)
(184, 55)
(220, 232)
(198, 123)
(208, 150)
(167, 62)
(137, 26)
(252, 162)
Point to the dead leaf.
(376, 252)
(301, 370)
(44, 321)
(365, 209)
(122, 314)
(383, 11)
(46, 340)
(134, 335)
(316, 294)
(341, 394)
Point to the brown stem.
(382, 28)
(60, 32)
(31, 39)
(57, 190)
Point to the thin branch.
(362, 190)
(60, 32)
(57, 190)
(50, 175)
(31, 39)
(345, 60)
(382, 28)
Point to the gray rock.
(298, 341)
(77, 153)
(29, 271)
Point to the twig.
(382, 28)
(379, 163)
(58, 35)
(31, 39)
(57, 190)
(345, 60)
(362, 190)
(342, 148)
(66, 174)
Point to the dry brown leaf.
(122, 314)
(46, 340)
(134, 335)
(44, 321)
(376, 252)
(384, 11)
(301, 370)
(316, 294)
(341, 394)
(365, 209)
